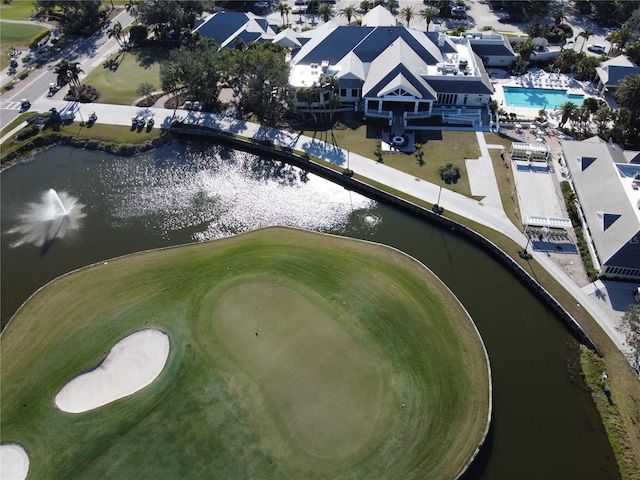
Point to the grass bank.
(307, 356)
(116, 139)
(614, 409)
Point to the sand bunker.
(14, 462)
(132, 364)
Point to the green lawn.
(504, 177)
(440, 148)
(118, 77)
(15, 35)
(17, 10)
(111, 133)
(293, 355)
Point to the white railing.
(379, 114)
(409, 115)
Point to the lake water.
(544, 426)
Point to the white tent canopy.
(549, 222)
(530, 151)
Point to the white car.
(596, 48)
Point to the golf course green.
(292, 355)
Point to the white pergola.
(547, 222)
(534, 152)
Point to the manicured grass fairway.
(16, 35)
(348, 332)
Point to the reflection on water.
(220, 196)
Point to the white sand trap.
(132, 364)
(14, 462)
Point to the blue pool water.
(547, 98)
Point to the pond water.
(544, 425)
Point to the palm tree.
(602, 118)
(445, 7)
(132, 8)
(116, 32)
(582, 117)
(407, 14)
(569, 110)
(60, 70)
(525, 50)
(348, 12)
(619, 38)
(365, 6)
(586, 33)
(287, 11)
(628, 95)
(392, 5)
(326, 11)
(282, 8)
(428, 14)
(558, 15)
(73, 73)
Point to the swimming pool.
(546, 98)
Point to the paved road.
(90, 52)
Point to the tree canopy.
(78, 17)
(175, 14)
(628, 96)
(258, 72)
(263, 75)
(196, 72)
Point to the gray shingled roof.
(612, 221)
(612, 71)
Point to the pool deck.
(542, 80)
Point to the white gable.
(399, 87)
(378, 17)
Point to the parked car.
(188, 105)
(150, 121)
(93, 117)
(596, 48)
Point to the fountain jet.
(56, 215)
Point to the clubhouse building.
(390, 72)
